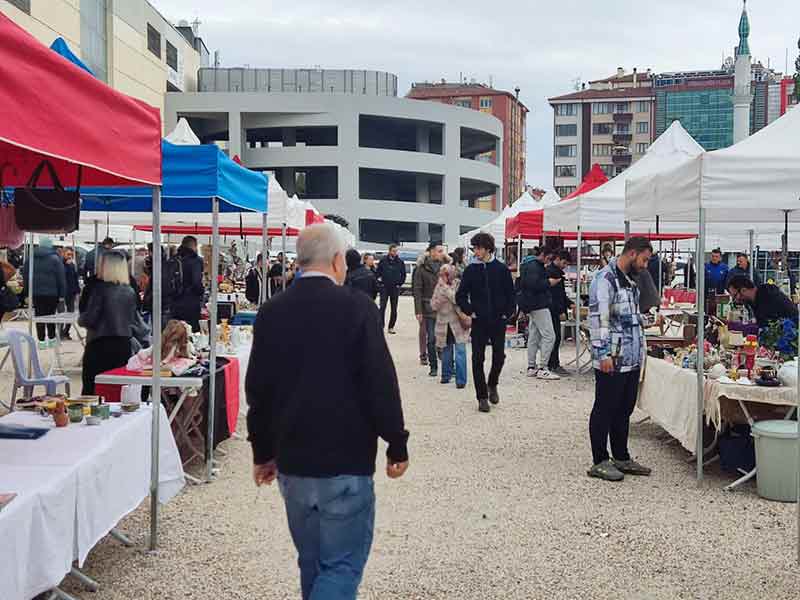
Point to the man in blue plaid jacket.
(618, 350)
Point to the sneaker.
(561, 371)
(547, 375)
(461, 386)
(43, 345)
(494, 397)
(433, 373)
(606, 471)
(532, 372)
(483, 405)
(423, 360)
(631, 467)
(52, 342)
(392, 332)
(445, 381)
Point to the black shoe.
(483, 405)
(494, 397)
(423, 360)
(445, 381)
(434, 373)
(460, 386)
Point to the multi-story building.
(128, 44)
(610, 123)
(397, 170)
(503, 105)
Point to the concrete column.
(423, 197)
(235, 134)
(289, 136)
(288, 180)
(423, 138)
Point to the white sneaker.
(532, 372)
(547, 375)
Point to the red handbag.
(11, 236)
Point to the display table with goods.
(71, 487)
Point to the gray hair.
(318, 244)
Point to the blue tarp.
(192, 176)
(59, 46)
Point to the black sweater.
(487, 291)
(321, 385)
(361, 278)
(772, 304)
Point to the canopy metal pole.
(660, 250)
(752, 268)
(96, 247)
(283, 254)
(578, 304)
(264, 260)
(701, 309)
(31, 314)
(797, 414)
(156, 389)
(212, 330)
(627, 230)
(133, 251)
(519, 254)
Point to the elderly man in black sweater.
(320, 393)
(486, 294)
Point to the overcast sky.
(540, 46)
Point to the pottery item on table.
(75, 413)
(717, 371)
(101, 410)
(93, 420)
(60, 414)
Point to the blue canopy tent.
(60, 46)
(196, 179)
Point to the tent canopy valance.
(53, 109)
(193, 175)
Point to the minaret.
(742, 96)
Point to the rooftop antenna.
(576, 83)
(196, 26)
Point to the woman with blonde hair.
(111, 320)
(452, 327)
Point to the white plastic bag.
(131, 394)
(787, 374)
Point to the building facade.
(397, 170)
(610, 123)
(127, 43)
(503, 105)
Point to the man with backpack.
(188, 301)
(534, 299)
(171, 283)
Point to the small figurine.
(60, 415)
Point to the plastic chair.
(17, 340)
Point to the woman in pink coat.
(452, 327)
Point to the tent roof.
(192, 176)
(54, 109)
(60, 46)
(603, 208)
(754, 181)
(594, 178)
(183, 135)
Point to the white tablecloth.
(107, 466)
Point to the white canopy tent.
(752, 184)
(497, 226)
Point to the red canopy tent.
(594, 178)
(53, 109)
(206, 230)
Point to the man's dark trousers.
(389, 293)
(487, 334)
(614, 401)
(555, 362)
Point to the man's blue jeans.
(460, 352)
(331, 520)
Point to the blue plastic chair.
(17, 341)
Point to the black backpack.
(172, 278)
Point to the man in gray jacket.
(49, 287)
(424, 281)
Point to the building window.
(568, 151)
(172, 57)
(463, 102)
(642, 148)
(623, 128)
(643, 127)
(153, 40)
(566, 110)
(608, 170)
(622, 107)
(94, 37)
(601, 149)
(602, 128)
(486, 103)
(642, 106)
(565, 171)
(23, 5)
(601, 108)
(619, 169)
(565, 190)
(569, 130)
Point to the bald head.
(321, 248)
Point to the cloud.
(540, 46)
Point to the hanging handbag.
(10, 235)
(47, 210)
(8, 300)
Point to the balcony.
(622, 158)
(622, 138)
(623, 117)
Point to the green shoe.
(607, 471)
(43, 345)
(52, 342)
(631, 467)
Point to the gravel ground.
(493, 506)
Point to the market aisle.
(493, 506)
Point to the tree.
(338, 220)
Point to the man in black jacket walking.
(318, 433)
(559, 305)
(188, 305)
(392, 276)
(486, 294)
(534, 298)
(359, 277)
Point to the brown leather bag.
(47, 210)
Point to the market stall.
(753, 183)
